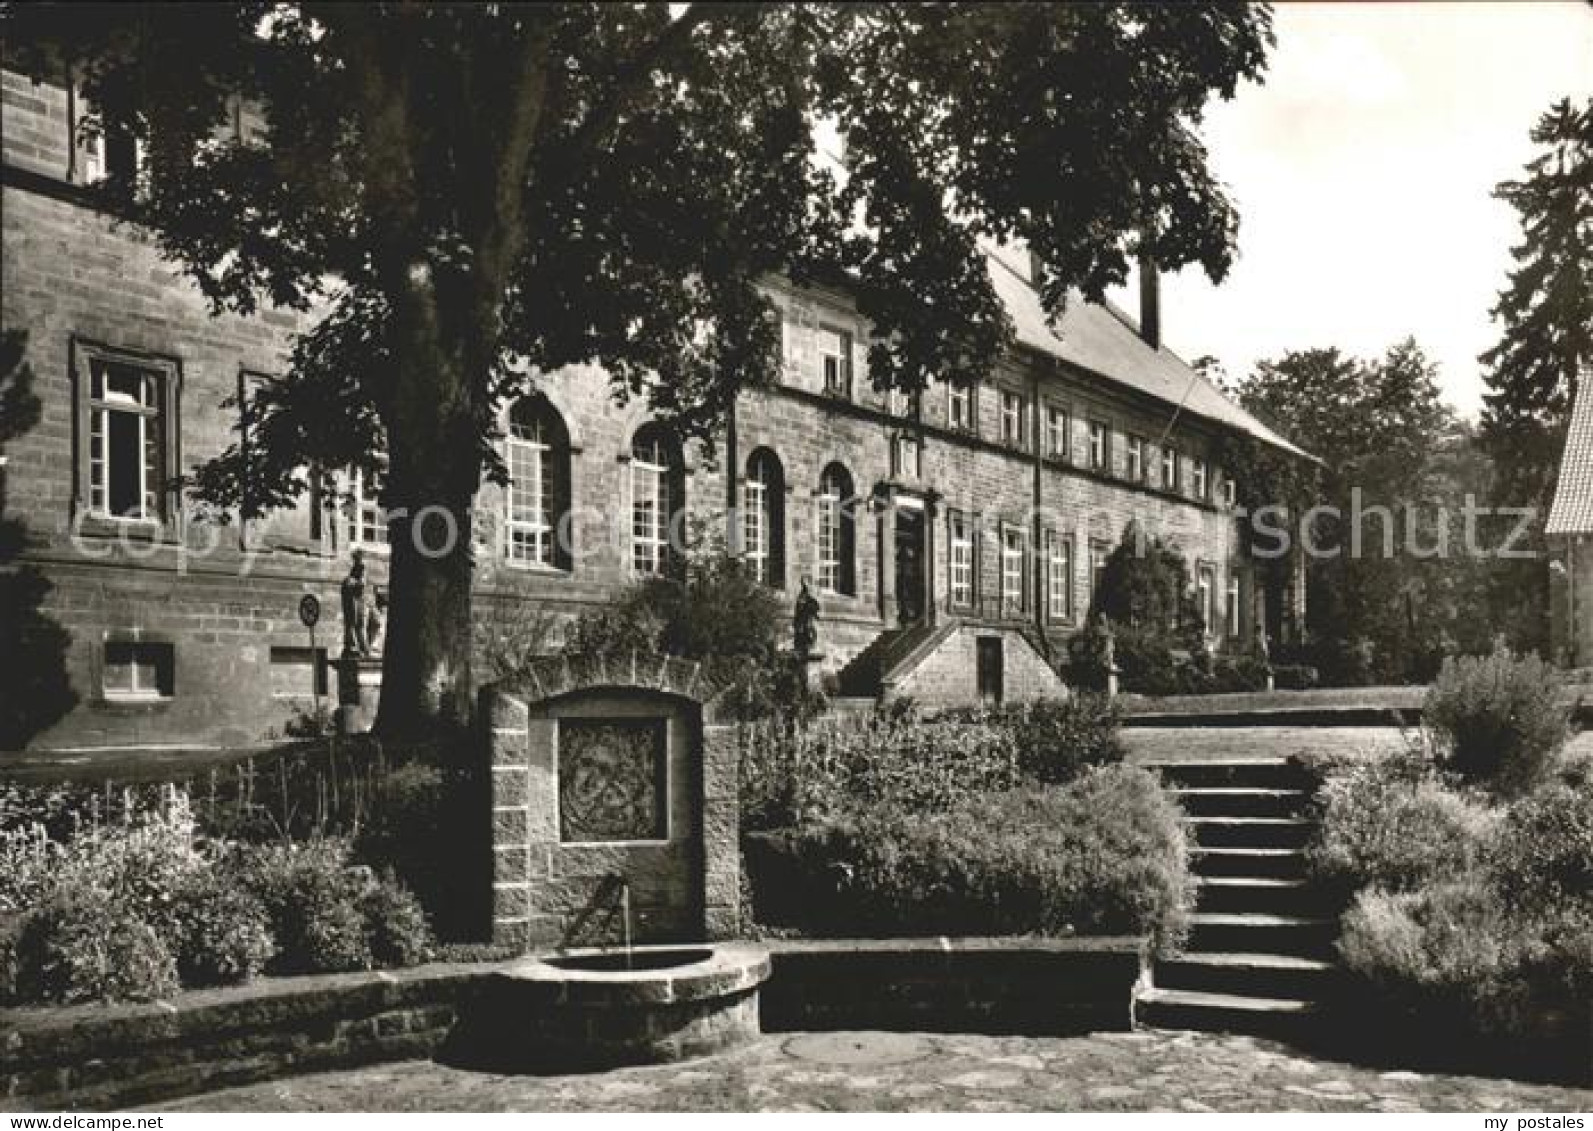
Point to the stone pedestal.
(806, 668)
(359, 688)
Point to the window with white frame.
(1169, 468)
(1230, 490)
(762, 518)
(835, 360)
(367, 517)
(138, 669)
(835, 531)
(906, 456)
(1056, 432)
(655, 491)
(960, 407)
(1135, 468)
(1012, 419)
(960, 559)
(100, 150)
(1012, 561)
(1197, 477)
(1234, 607)
(128, 430)
(1206, 592)
(1058, 577)
(538, 458)
(1099, 453)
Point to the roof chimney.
(1150, 302)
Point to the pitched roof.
(1097, 338)
(1572, 510)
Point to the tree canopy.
(478, 195)
(1545, 312)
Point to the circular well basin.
(644, 958)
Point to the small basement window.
(139, 669)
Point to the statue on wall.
(355, 641)
(804, 622)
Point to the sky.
(1363, 169)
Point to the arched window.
(538, 497)
(763, 518)
(658, 495)
(837, 534)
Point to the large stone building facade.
(951, 538)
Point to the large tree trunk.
(434, 470)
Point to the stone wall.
(949, 674)
(549, 885)
(100, 1057)
(1035, 986)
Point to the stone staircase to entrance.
(1260, 956)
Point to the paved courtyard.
(1142, 1071)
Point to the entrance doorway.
(990, 669)
(910, 565)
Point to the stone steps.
(1233, 1013)
(1260, 953)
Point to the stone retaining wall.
(98, 1057)
(1031, 986)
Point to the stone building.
(951, 538)
(1570, 533)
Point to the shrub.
(794, 774)
(219, 932)
(1104, 854)
(1447, 948)
(313, 901)
(1394, 825)
(82, 944)
(395, 924)
(1497, 718)
(1542, 851)
(1056, 739)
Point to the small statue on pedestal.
(804, 623)
(352, 591)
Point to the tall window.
(763, 518)
(657, 496)
(1012, 419)
(367, 517)
(1012, 587)
(835, 359)
(960, 559)
(1206, 589)
(836, 531)
(960, 407)
(1230, 490)
(1058, 577)
(1197, 477)
(127, 449)
(1169, 468)
(539, 485)
(1098, 555)
(1056, 433)
(1233, 604)
(1098, 450)
(1136, 459)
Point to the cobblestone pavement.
(1141, 1071)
